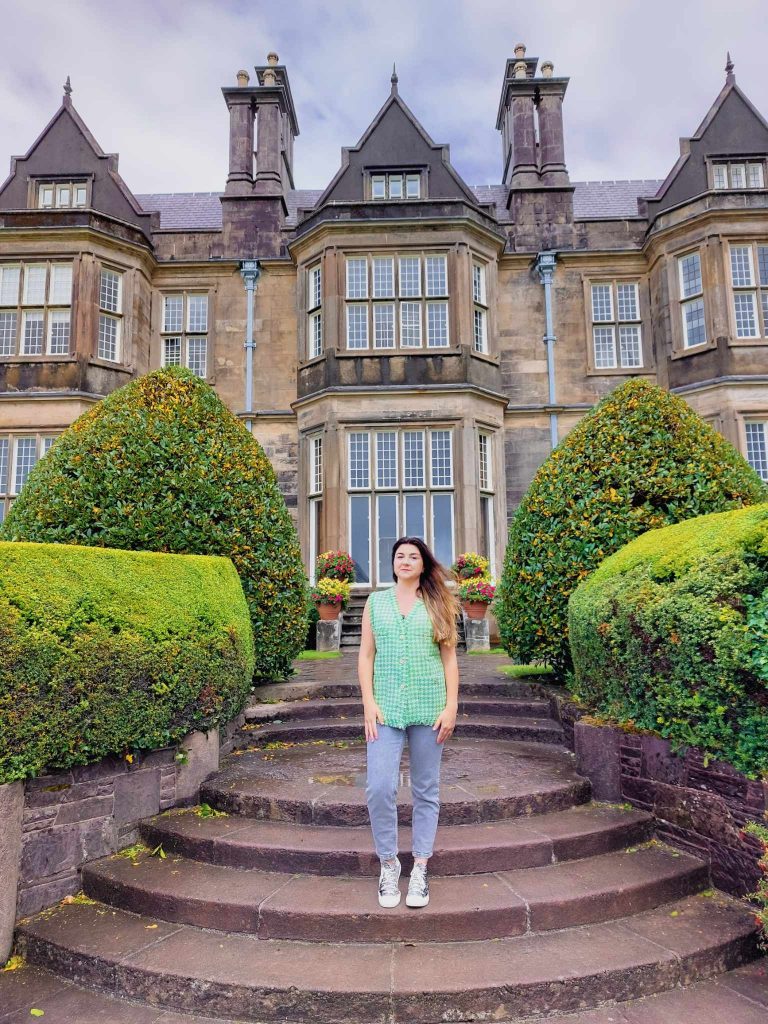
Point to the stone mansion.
(406, 347)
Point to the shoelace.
(388, 880)
(418, 877)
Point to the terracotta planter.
(328, 611)
(475, 609)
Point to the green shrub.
(109, 651)
(664, 637)
(163, 465)
(642, 459)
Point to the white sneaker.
(418, 887)
(389, 893)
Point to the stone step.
(541, 730)
(322, 782)
(464, 908)
(583, 831)
(181, 967)
(337, 687)
(349, 707)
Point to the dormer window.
(62, 195)
(738, 174)
(396, 185)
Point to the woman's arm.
(446, 720)
(371, 711)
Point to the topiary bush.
(105, 652)
(641, 460)
(163, 465)
(665, 636)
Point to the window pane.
(387, 533)
(442, 469)
(379, 186)
(46, 196)
(9, 285)
(357, 279)
(197, 355)
(410, 324)
(316, 335)
(630, 348)
(626, 297)
(413, 458)
(690, 275)
(26, 457)
(437, 324)
(3, 464)
(478, 283)
(173, 313)
(386, 459)
(442, 527)
(359, 470)
(32, 333)
(602, 303)
(738, 179)
(357, 327)
(109, 292)
(58, 332)
(34, 285)
(605, 347)
(741, 266)
(693, 322)
(109, 327)
(47, 444)
(762, 264)
(478, 330)
(171, 351)
(410, 277)
(413, 186)
(414, 516)
(8, 334)
(384, 326)
(360, 536)
(755, 176)
(61, 284)
(765, 312)
(486, 529)
(746, 314)
(63, 195)
(316, 465)
(80, 195)
(757, 448)
(720, 176)
(383, 277)
(197, 313)
(395, 186)
(437, 275)
(483, 461)
(315, 290)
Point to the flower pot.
(475, 609)
(328, 611)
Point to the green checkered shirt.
(408, 674)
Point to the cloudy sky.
(147, 80)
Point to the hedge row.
(671, 634)
(105, 652)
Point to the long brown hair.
(441, 602)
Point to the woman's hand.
(446, 723)
(372, 714)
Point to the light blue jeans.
(383, 780)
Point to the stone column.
(240, 178)
(551, 139)
(477, 634)
(525, 170)
(329, 634)
(268, 180)
(11, 812)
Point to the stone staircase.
(543, 902)
(352, 622)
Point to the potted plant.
(470, 565)
(330, 596)
(475, 595)
(335, 565)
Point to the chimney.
(517, 121)
(550, 93)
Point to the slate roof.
(201, 211)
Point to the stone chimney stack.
(550, 93)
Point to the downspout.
(250, 271)
(545, 264)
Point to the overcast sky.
(147, 75)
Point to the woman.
(409, 680)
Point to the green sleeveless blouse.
(408, 674)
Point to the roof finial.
(67, 91)
(730, 78)
(393, 80)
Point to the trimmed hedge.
(641, 460)
(163, 465)
(671, 634)
(105, 652)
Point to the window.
(485, 481)
(400, 482)
(757, 446)
(110, 315)
(479, 309)
(184, 331)
(616, 329)
(35, 309)
(749, 279)
(315, 499)
(61, 194)
(396, 185)
(741, 175)
(314, 312)
(18, 456)
(691, 300)
(398, 302)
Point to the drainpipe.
(545, 264)
(250, 271)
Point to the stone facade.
(406, 377)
